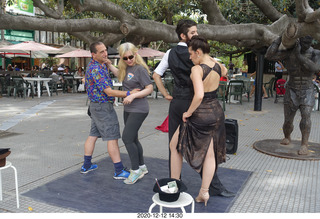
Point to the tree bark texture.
(119, 24)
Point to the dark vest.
(180, 65)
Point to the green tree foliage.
(244, 11)
(241, 11)
(50, 61)
(132, 23)
(167, 11)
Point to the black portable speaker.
(232, 132)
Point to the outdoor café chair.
(269, 86)
(21, 86)
(68, 83)
(235, 88)
(222, 92)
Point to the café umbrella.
(34, 49)
(5, 43)
(150, 53)
(78, 53)
(2, 44)
(63, 50)
(81, 53)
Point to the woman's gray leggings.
(133, 122)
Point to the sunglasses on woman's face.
(129, 57)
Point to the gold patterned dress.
(206, 123)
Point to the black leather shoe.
(227, 194)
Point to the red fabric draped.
(164, 127)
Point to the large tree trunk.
(124, 25)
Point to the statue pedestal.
(274, 148)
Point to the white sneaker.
(144, 169)
(133, 177)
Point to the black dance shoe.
(224, 193)
(227, 194)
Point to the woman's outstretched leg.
(209, 167)
(208, 170)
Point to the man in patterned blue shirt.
(104, 120)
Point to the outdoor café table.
(38, 79)
(77, 78)
(77, 81)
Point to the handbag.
(81, 87)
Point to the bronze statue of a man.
(301, 62)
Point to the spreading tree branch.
(303, 9)
(313, 17)
(214, 15)
(124, 25)
(268, 10)
(47, 11)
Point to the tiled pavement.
(48, 134)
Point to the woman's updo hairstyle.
(198, 42)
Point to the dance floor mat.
(98, 192)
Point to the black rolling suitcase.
(232, 131)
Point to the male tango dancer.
(178, 61)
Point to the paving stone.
(50, 140)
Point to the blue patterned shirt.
(98, 79)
